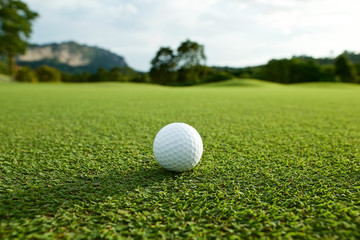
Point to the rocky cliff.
(71, 57)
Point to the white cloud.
(234, 32)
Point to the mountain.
(70, 57)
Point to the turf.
(4, 78)
(240, 83)
(76, 162)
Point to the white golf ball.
(178, 147)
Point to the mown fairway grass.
(4, 78)
(76, 162)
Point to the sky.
(235, 33)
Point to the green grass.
(335, 85)
(4, 78)
(240, 83)
(76, 162)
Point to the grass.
(335, 85)
(76, 162)
(241, 83)
(4, 78)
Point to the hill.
(71, 57)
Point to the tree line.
(50, 74)
(168, 68)
(298, 69)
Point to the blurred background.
(237, 38)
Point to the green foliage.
(125, 74)
(185, 67)
(299, 69)
(357, 67)
(352, 56)
(141, 78)
(102, 75)
(116, 74)
(292, 71)
(280, 162)
(321, 61)
(327, 73)
(4, 68)
(163, 67)
(216, 76)
(277, 71)
(190, 54)
(345, 71)
(81, 77)
(304, 71)
(296, 70)
(48, 74)
(26, 74)
(66, 77)
(15, 28)
(113, 75)
(192, 75)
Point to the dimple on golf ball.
(178, 147)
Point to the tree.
(163, 66)
(48, 74)
(327, 73)
(277, 71)
(81, 77)
(26, 74)
(102, 75)
(357, 66)
(16, 26)
(115, 75)
(304, 71)
(345, 71)
(190, 54)
(141, 77)
(190, 58)
(3, 67)
(183, 68)
(295, 70)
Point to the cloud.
(234, 32)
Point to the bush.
(218, 76)
(141, 77)
(48, 74)
(26, 74)
(66, 77)
(327, 73)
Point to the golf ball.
(178, 147)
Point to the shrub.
(48, 74)
(26, 74)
